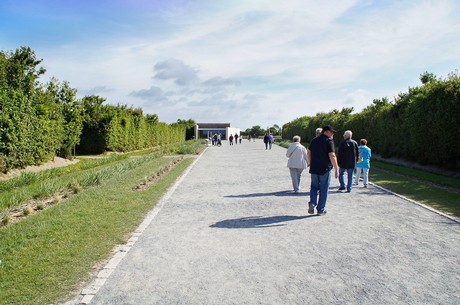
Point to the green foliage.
(32, 119)
(39, 122)
(189, 126)
(297, 127)
(419, 125)
(255, 131)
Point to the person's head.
(328, 131)
(347, 134)
(363, 142)
(318, 131)
(296, 139)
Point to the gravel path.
(232, 233)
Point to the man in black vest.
(321, 158)
(347, 157)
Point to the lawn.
(47, 256)
(437, 191)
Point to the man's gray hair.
(348, 134)
(318, 131)
(296, 139)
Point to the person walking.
(364, 163)
(346, 158)
(318, 131)
(236, 138)
(297, 162)
(266, 140)
(321, 159)
(270, 140)
(231, 139)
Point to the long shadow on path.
(256, 222)
(279, 193)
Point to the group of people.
(216, 139)
(320, 156)
(268, 140)
(231, 138)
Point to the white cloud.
(261, 62)
(177, 70)
(221, 82)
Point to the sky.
(243, 62)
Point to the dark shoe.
(311, 208)
(322, 213)
(341, 189)
(365, 185)
(348, 191)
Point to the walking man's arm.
(333, 159)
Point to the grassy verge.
(420, 186)
(31, 185)
(419, 174)
(46, 257)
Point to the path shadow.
(279, 193)
(256, 222)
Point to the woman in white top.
(297, 154)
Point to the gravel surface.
(232, 232)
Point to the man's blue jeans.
(349, 178)
(320, 184)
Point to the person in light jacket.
(297, 154)
(363, 162)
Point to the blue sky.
(252, 62)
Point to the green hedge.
(41, 121)
(420, 125)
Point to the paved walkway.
(232, 233)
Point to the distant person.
(321, 158)
(236, 138)
(219, 139)
(270, 140)
(266, 140)
(318, 131)
(364, 163)
(214, 139)
(297, 154)
(231, 139)
(241, 139)
(346, 158)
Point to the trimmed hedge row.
(41, 121)
(420, 125)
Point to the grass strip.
(426, 193)
(46, 257)
(49, 185)
(26, 178)
(419, 174)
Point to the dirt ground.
(56, 162)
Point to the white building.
(207, 130)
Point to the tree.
(427, 77)
(72, 112)
(20, 70)
(275, 130)
(189, 126)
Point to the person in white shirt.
(297, 154)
